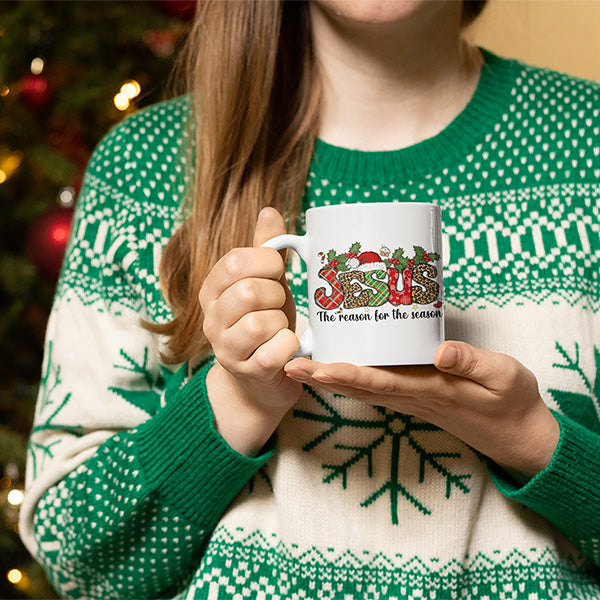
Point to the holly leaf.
(402, 260)
(342, 259)
(578, 407)
(331, 255)
(434, 256)
(419, 255)
(355, 247)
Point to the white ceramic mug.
(375, 284)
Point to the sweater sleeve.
(566, 492)
(126, 474)
(132, 520)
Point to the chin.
(377, 11)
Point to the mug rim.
(372, 204)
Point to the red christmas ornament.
(47, 240)
(162, 42)
(35, 90)
(182, 9)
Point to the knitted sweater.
(131, 491)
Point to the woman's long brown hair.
(252, 75)
(250, 68)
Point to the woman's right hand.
(249, 320)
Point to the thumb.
(464, 360)
(269, 224)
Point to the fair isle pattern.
(122, 497)
(521, 212)
(249, 565)
(134, 187)
(521, 226)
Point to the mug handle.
(298, 243)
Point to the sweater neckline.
(458, 138)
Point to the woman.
(473, 478)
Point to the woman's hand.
(488, 400)
(249, 318)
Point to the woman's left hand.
(490, 401)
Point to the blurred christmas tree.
(68, 72)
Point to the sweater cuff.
(186, 460)
(566, 492)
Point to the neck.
(391, 85)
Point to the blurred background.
(70, 70)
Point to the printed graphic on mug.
(360, 278)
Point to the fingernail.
(449, 357)
(298, 375)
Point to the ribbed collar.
(477, 119)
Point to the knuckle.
(267, 361)
(233, 263)
(247, 292)
(253, 325)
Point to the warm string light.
(66, 196)
(9, 164)
(14, 576)
(129, 90)
(37, 65)
(15, 497)
(19, 579)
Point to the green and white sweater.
(132, 493)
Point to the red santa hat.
(370, 261)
